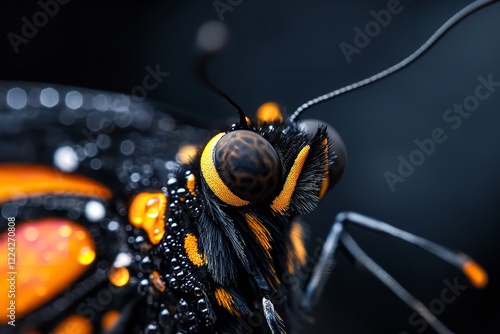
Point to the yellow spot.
(80, 235)
(192, 251)
(212, 177)
(476, 274)
(65, 231)
(147, 212)
(20, 181)
(41, 291)
(324, 187)
(269, 112)
(157, 282)
(31, 234)
(86, 256)
(297, 255)
(48, 256)
(109, 319)
(62, 245)
(249, 121)
(44, 276)
(153, 208)
(191, 184)
(225, 300)
(25, 279)
(75, 324)
(186, 153)
(45, 266)
(264, 238)
(119, 276)
(282, 201)
(326, 181)
(260, 232)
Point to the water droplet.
(135, 177)
(95, 164)
(127, 147)
(31, 234)
(103, 141)
(16, 98)
(122, 260)
(49, 97)
(100, 102)
(94, 211)
(66, 159)
(113, 226)
(74, 99)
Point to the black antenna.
(466, 11)
(210, 39)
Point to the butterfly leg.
(337, 235)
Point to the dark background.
(289, 52)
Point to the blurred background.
(291, 52)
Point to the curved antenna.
(466, 11)
(210, 39)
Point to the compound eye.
(337, 149)
(248, 165)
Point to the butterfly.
(49, 92)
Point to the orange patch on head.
(192, 251)
(225, 300)
(297, 254)
(186, 153)
(281, 203)
(260, 232)
(326, 181)
(42, 268)
(269, 112)
(264, 238)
